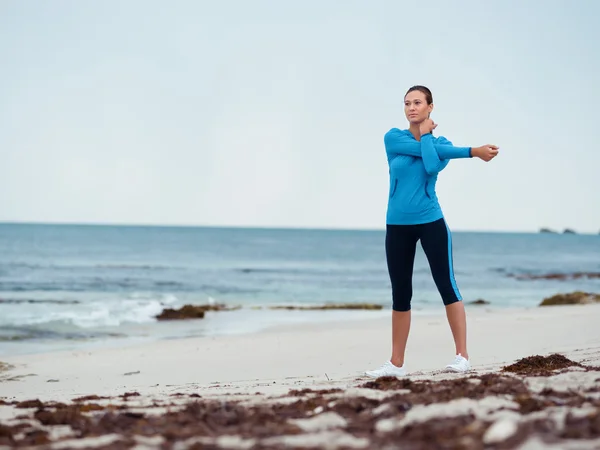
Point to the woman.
(415, 158)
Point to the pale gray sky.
(269, 113)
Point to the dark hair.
(424, 90)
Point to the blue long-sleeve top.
(413, 168)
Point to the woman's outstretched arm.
(398, 143)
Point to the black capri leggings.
(400, 249)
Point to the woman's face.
(416, 108)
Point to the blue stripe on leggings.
(451, 265)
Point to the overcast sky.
(272, 113)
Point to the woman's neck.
(415, 129)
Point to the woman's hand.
(427, 126)
(485, 152)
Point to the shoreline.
(236, 322)
(218, 324)
(231, 321)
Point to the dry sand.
(304, 387)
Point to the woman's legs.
(436, 240)
(400, 249)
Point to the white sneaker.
(460, 364)
(387, 370)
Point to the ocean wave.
(50, 330)
(38, 291)
(101, 284)
(132, 267)
(39, 300)
(321, 271)
(6, 266)
(135, 309)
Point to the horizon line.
(274, 227)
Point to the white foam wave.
(137, 308)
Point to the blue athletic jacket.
(413, 168)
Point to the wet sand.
(303, 387)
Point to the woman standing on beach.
(415, 158)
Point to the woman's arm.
(398, 143)
(431, 160)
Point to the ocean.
(69, 287)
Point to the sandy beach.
(304, 387)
